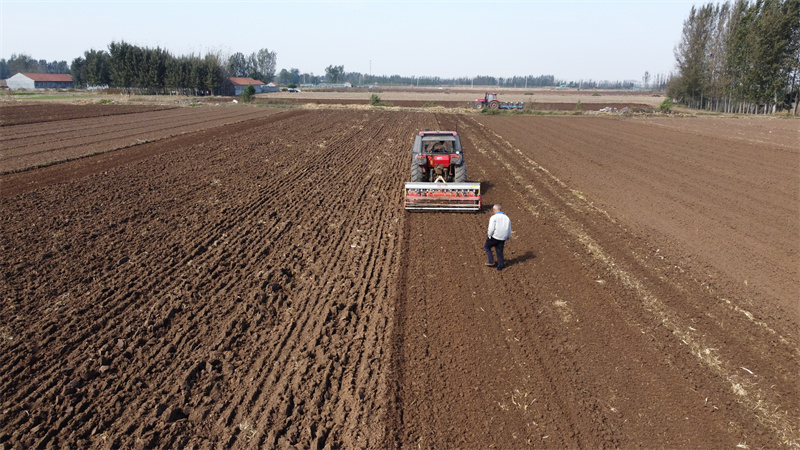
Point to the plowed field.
(18, 114)
(539, 106)
(250, 279)
(35, 145)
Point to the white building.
(40, 81)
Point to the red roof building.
(241, 81)
(235, 86)
(40, 81)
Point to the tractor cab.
(438, 152)
(439, 147)
(438, 144)
(489, 96)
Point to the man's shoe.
(499, 269)
(491, 264)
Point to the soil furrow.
(28, 153)
(98, 126)
(20, 114)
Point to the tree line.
(23, 63)
(740, 56)
(337, 74)
(145, 70)
(156, 71)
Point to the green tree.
(739, 56)
(237, 65)
(23, 63)
(197, 78)
(97, 68)
(174, 80)
(78, 70)
(248, 93)
(213, 73)
(155, 69)
(119, 66)
(265, 62)
(55, 66)
(284, 77)
(334, 74)
(690, 55)
(252, 70)
(738, 49)
(777, 26)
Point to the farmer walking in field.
(499, 233)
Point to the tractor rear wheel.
(494, 104)
(416, 173)
(461, 173)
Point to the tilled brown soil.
(34, 145)
(236, 290)
(257, 284)
(18, 114)
(606, 328)
(725, 192)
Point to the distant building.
(335, 85)
(40, 81)
(235, 85)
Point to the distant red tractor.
(490, 101)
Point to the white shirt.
(500, 226)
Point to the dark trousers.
(498, 245)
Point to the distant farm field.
(462, 96)
(246, 277)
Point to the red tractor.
(488, 101)
(439, 175)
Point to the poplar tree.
(738, 57)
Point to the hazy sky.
(573, 40)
